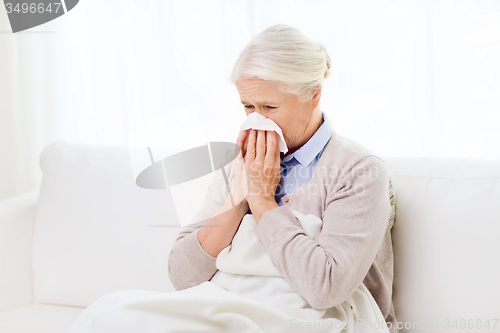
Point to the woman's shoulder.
(344, 152)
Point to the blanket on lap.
(247, 294)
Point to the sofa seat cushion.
(39, 318)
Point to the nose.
(259, 112)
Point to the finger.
(278, 155)
(271, 148)
(240, 141)
(241, 138)
(245, 144)
(261, 145)
(278, 152)
(250, 154)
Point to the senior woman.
(300, 237)
(279, 75)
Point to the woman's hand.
(262, 164)
(227, 220)
(240, 188)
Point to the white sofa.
(91, 231)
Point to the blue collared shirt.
(298, 168)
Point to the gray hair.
(283, 55)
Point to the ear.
(316, 95)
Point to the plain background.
(410, 77)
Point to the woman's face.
(298, 120)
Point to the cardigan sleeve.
(188, 263)
(325, 273)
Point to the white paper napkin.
(257, 121)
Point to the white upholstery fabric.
(17, 218)
(446, 240)
(92, 236)
(93, 233)
(38, 318)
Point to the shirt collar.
(306, 154)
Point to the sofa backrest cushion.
(95, 228)
(446, 241)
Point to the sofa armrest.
(17, 217)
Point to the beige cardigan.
(351, 192)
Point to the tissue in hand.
(258, 121)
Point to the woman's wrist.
(227, 220)
(261, 206)
(236, 207)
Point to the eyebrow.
(263, 103)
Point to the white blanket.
(247, 294)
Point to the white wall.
(410, 78)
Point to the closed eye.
(266, 106)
